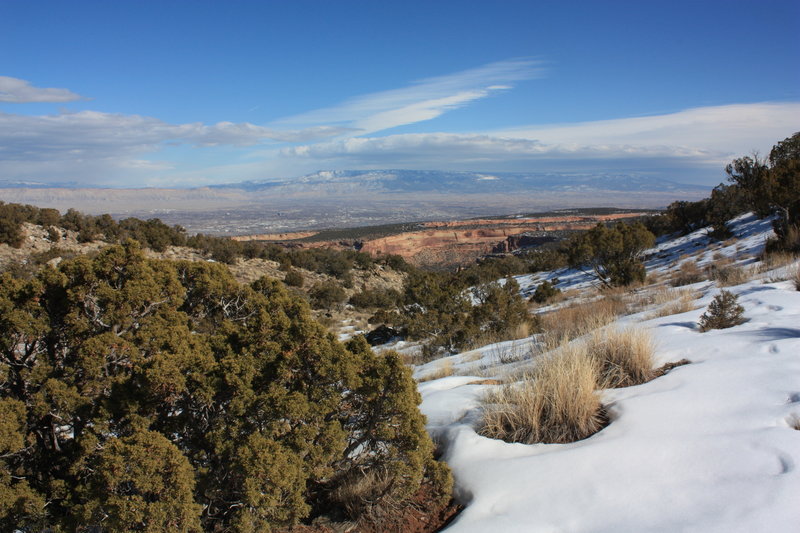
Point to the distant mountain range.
(427, 181)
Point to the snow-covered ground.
(707, 447)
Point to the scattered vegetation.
(688, 272)
(557, 402)
(766, 187)
(723, 312)
(449, 314)
(381, 298)
(674, 302)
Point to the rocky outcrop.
(518, 242)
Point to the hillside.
(710, 446)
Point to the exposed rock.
(381, 335)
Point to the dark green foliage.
(500, 308)
(440, 308)
(724, 204)
(545, 291)
(10, 225)
(140, 483)
(544, 259)
(723, 312)
(612, 254)
(686, 217)
(222, 250)
(375, 298)
(783, 191)
(157, 396)
(763, 186)
(293, 278)
(326, 294)
(491, 269)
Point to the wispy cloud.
(423, 100)
(19, 91)
(726, 129)
(702, 138)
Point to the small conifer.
(723, 312)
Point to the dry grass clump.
(623, 357)
(776, 259)
(796, 278)
(577, 320)
(674, 302)
(362, 491)
(557, 402)
(729, 275)
(504, 353)
(520, 331)
(442, 370)
(794, 421)
(688, 272)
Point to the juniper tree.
(149, 395)
(613, 255)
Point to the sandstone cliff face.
(459, 242)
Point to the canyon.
(450, 244)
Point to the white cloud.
(424, 100)
(94, 146)
(721, 130)
(20, 91)
(704, 134)
(703, 139)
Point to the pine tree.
(723, 312)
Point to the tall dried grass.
(776, 259)
(688, 272)
(443, 369)
(673, 302)
(623, 357)
(575, 321)
(556, 402)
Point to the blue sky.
(192, 93)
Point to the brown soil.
(417, 517)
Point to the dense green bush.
(163, 396)
(613, 255)
(546, 291)
(293, 278)
(10, 226)
(326, 294)
(375, 298)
